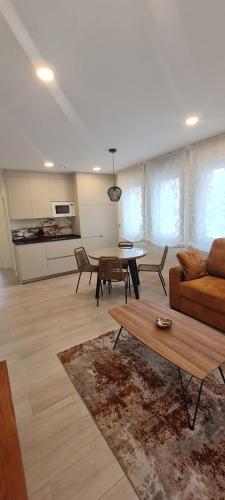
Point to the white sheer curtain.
(207, 193)
(176, 199)
(165, 199)
(132, 204)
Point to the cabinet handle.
(60, 257)
(95, 236)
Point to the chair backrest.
(110, 268)
(164, 255)
(81, 258)
(125, 244)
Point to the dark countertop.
(44, 239)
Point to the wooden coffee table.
(190, 345)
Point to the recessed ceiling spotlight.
(49, 164)
(96, 169)
(46, 74)
(191, 121)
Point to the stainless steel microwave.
(63, 209)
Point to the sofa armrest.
(176, 276)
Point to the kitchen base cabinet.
(32, 261)
(61, 265)
(60, 256)
(63, 248)
(42, 260)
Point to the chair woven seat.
(91, 268)
(123, 277)
(149, 267)
(110, 270)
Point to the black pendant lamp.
(114, 192)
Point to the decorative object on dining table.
(163, 323)
(114, 191)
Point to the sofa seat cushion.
(208, 291)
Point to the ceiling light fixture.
(96, 169)
(49, 164)
(114, 192)
(191, 121)
(46, 74)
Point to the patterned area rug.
(134, 397)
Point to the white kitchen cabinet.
(19, 198)
(30, 194)
(98, 221)
(99, 225)
(32, 261)
(60, 256)
(39, 260)
(61, 265)
(92, 188)
(63, 248)
(92, 243)
(40, 196)
(61, 188)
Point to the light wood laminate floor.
(65, 456)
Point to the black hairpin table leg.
(191, 423)
(222, 374)
(134, 276)
(117, 338)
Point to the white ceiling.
(128, 72)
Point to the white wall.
(6, 261)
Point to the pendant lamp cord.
(113, 172)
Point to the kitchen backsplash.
(51, 227)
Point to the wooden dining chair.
(110, 269)
(83, 264)
(156, 268)
(125, 244)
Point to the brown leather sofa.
(202, 298)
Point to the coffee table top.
(188, 344)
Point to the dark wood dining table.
(129, 255)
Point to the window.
(131, 205)
(207, 193)
(165, 194)
(168, 207)
(176, 199)
(215, 198)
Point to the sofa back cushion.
(216, 259)
(193, 265)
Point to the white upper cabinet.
(97, 214)
(61, 188)
(99, 221)
(30, 195)
(40, 196)
(19, 198)
(92, 188)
